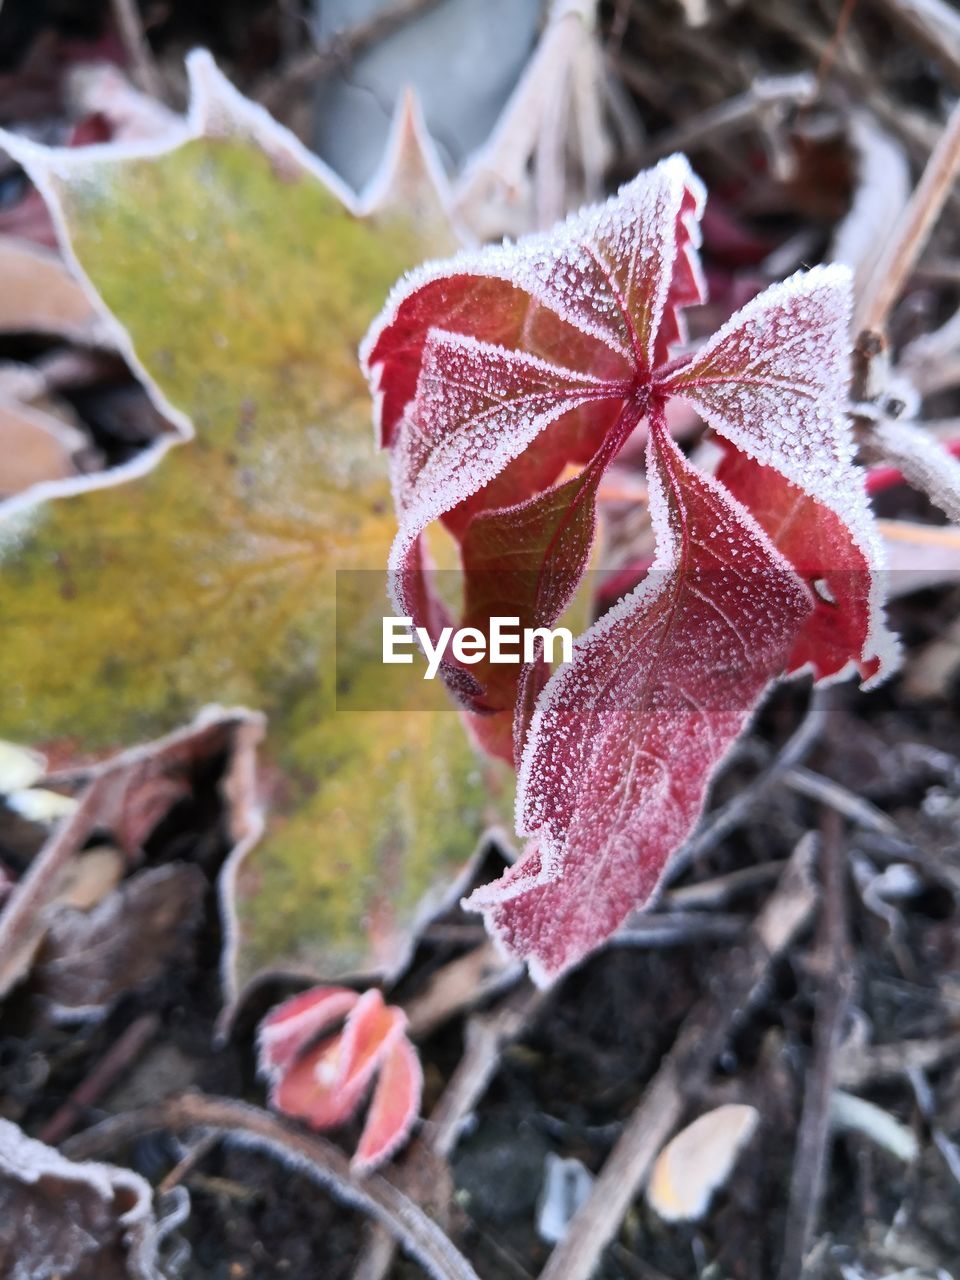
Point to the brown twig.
(829, 55)
(910, 235)
(121, 1055)
(460, 985)
(142, 65)
(934, 25)
(311, 1155)
(719, 121)
(486, 1036)
(805, 782)
(684, 1070)
(835, 988)
(340, 50)
(186, 1165)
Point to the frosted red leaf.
(325, 1083)
(396, 1102)
(498, 372)
(626, 737)
(773, 382)
(487, 391)
(292, 1025)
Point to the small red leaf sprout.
(506, 382)
(324, 1078)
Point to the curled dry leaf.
(238, 275)
(553, 133)
(90, 959)
(496, 373)
(125, 797)
(326, 1082)
(698, 1162)
(60, 1218)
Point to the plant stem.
(835, 982)
(913, 230)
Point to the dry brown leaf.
(71, 1221)
(90, 959)
(39, 295)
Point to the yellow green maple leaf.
(240, 277)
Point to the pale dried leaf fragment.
(39, 295)
(38, 804)
(34, 446)
(566, 1186)
(19, 767)
(698, 1162)
(552, 145)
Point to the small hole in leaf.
(822, 588)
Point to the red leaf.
(626, 738)
(824, 553)
(493, 423)
(395, 1106)
(589, 295)
(326, 1085)
(525, 562)
(478, 408)
(773, 382)
(291, 1026)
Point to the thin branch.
(18, 923)
(835, 989)
(705, 1030)
(486, 1036)
(339, 50)
(125, 1051)
(934, 25)
(805, 782)
(142, 65)
(910, 235)
(736, 113)
(311, 1155)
